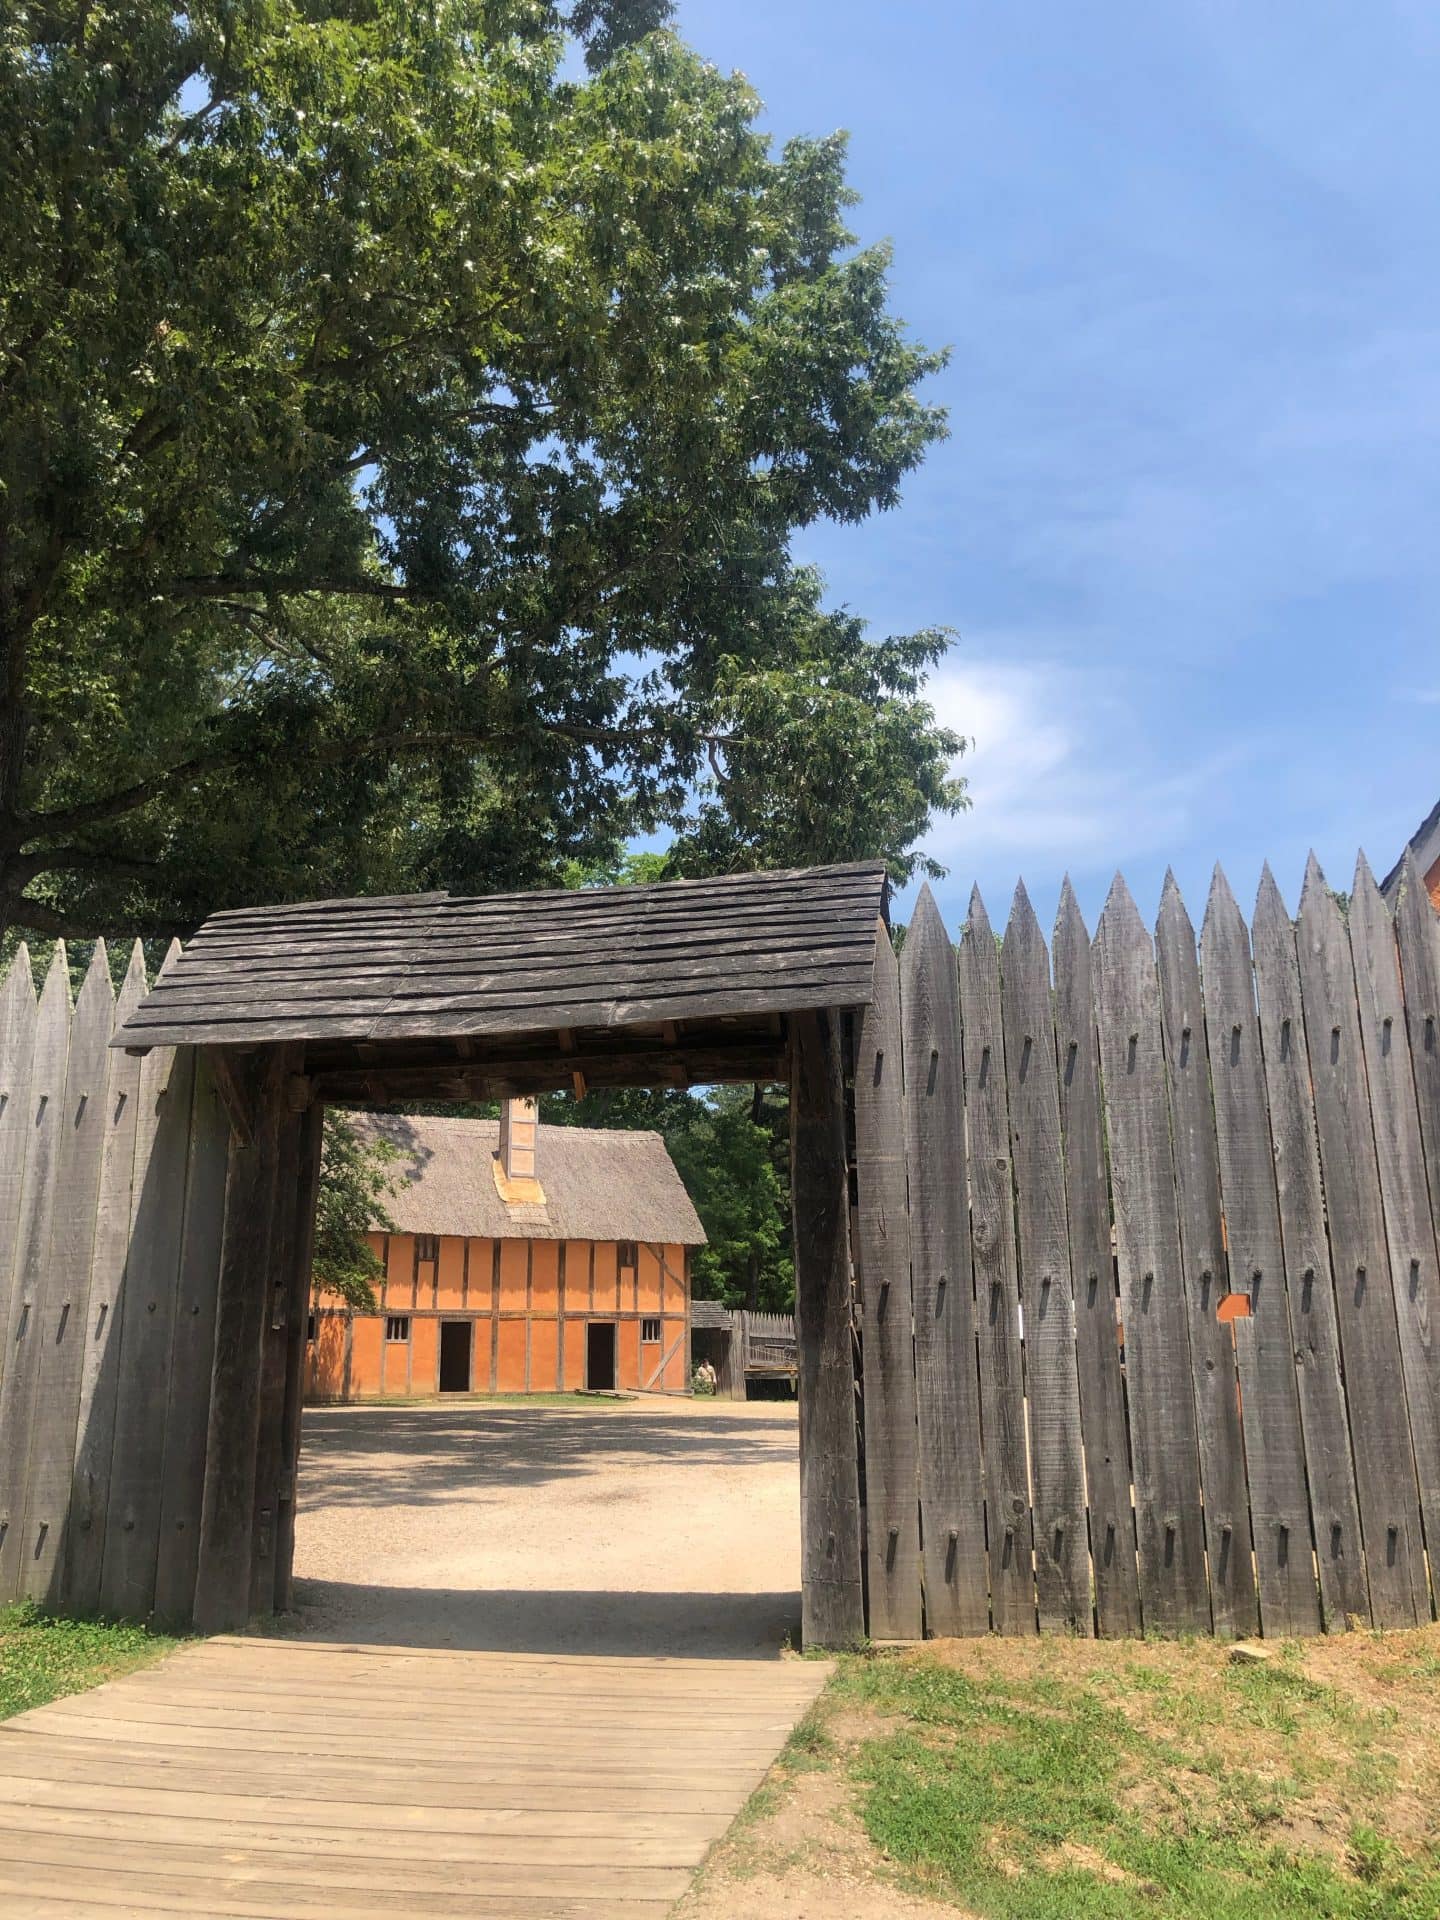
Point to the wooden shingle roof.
(423, 965)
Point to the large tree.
(402, 439)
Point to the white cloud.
(1059, 776)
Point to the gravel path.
(642, 1527)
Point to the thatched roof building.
(596, 1185)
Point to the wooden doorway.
(457, 1339)
(600, 1356)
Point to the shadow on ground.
(381, 1456)
(693, 1626)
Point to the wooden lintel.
(234, 1082)
(505, 1078)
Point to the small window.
(629, 1256)
(397, 1327)
(310, 1328)
(427, 1246)
(650, 1332)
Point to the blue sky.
(1186, 258)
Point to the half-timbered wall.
(1145, 1237)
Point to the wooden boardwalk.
(282, 1779)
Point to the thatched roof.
(599, 1185)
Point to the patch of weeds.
(1040, 1798)
(808, 1746)
(43, 1656)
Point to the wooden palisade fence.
(114, 1177)
(1145, 1247)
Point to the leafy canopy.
(402, 441)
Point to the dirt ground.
(611, 1527)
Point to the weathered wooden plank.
(63, 1311)
(192, 1351)
(222, 1586)
(832, 1599)
(302, 1256)
(1404, 1189)
(1229, 1548)
(1314, 1326)
(148, 1300)
(1370, 1345)
(892, 1477)
(1164, 1447)
(17, 1048)
(1264, 1344)
(29, 1293)
(947, 1387)
(274, 1361)
(1104, 1432)
(1417, 929)
(95, 1425)
(1057, 1467)
(997, 1293)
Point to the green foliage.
(355, 1180)
(730, 1146)
(42, 1657)
(401, 445)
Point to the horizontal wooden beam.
(499, 1079)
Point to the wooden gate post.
(222, 1589)
(832, 1599)
(301, 1255)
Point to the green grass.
(1146, 1786)
(42, 1657)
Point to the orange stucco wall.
(547, 1293)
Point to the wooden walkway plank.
(1057, 1466)
(1228, 1542)
(100, 1379)
(1310, 1290)
(1104, 1431)
(1370, 1345)
(44, 1119)
(833, 1607)
(997, 1291)
(947, 1387)
(132, 1534)
(524, 1816)
(892, 1474)
(64, 1308)
(1404, 1188)
(1265, 1344)
(17, 1047)
(1168, 1525)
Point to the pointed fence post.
(1264, 1343)
(1174, 1590)
(44, 1118)
(1203, 1257)
(63, 1309)
(1314, 1322)
(892, 1478)
(997, 1290)
(1370, 1344)
(1417, 928)
(18, 1013)
(1062, 1548)
(1400, 1157)
(947, 1389)
(1104, 1429)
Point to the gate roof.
(433, 966)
